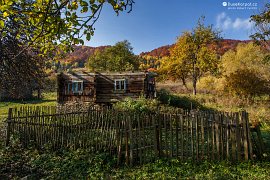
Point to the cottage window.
(77, 86)
(120, 85)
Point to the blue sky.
(154, 23)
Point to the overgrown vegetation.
(17, 162)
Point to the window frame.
(119, 83)
(73, 87)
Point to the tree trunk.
(184, 83)
(194, 86)
(194, 77)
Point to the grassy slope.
(47, 100)
(161, 169)
(258, 108)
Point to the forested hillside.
(81, 54)
(225, 45)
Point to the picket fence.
(136, 138)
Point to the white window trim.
(75, 90)
(120, 80)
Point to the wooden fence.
(136, 138)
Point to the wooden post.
(156, 136)
(130, 120)
(177, 119)
(233, 138)
(227, 136)
(9, 126)
(260, 140)
(203, 119)
(245, 135)
(249, 138)
(238, 140)
(217, 129)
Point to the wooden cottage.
(104, 88)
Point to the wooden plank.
(177, 121)
(192, 122)
(217, 128)
(233, 138)
(9, 121)
(222, 140)
(227, 136)
(130, 138)
(139, 139)
(159, 142)
(202, 135)
(119, 139)
(213, 136)
(249, 137)
(237, 134)
(171, 135)
(208, 134)
(166, 134)
(182, 136)
(156, 136)
(142, 119)
(245, 138)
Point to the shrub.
(246, 82)
(140, 105)
(207, 84)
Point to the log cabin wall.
(102, 87)
(76, 87)
(116, 87)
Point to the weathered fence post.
(249, 138)
(245, 124)
(156, 136)
(8, 126)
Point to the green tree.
(45, 23)
(117, 58)
(262, 26)
(191, 55)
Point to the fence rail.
(136, 138)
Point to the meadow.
(18, 162)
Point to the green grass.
(16, 163)
(48, 99)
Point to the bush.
(207, 84)
(138, 105)
(246, 82)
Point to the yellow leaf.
(5, 14)
(2, 24)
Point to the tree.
(21, 74)
(45, 23)
(262, 26)
(245, 70)
(191, 55)
(117, 58)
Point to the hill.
(81, 54)
(225, 45)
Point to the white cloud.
(224, 22)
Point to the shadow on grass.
(184, 102)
